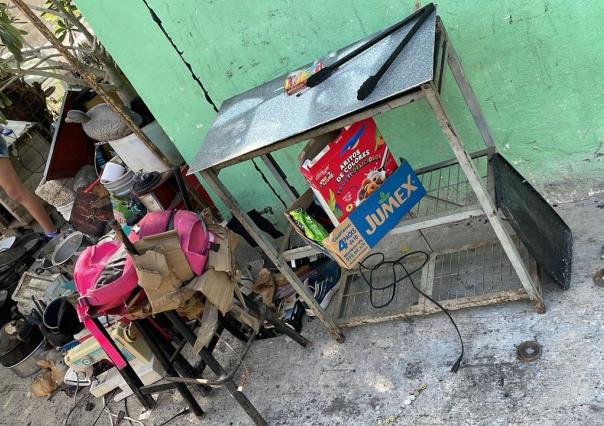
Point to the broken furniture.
(71, 149)
(472, 184)
(166, 341)
(153, 300)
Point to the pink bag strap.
(114, 355)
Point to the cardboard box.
(349, 169)
(351, 241)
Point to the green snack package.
(313, 229)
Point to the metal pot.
(27, 366)
(67, 249)
(20, 343)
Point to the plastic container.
(137, 156)
(122, 186)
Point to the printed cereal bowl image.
(372, 182)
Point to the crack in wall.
(159, 23)
(180, 53)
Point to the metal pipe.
(147, 333)
(182, 188)
(221, 380)
(118, 107)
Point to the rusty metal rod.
(118, 107)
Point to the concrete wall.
(534, 66)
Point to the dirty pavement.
(367, 380)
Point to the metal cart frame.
(444, 56)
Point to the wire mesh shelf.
(474, 271)
(447, 189)
(479, 273)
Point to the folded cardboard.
(367, 224)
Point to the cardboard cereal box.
(349, 169)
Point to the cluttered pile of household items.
(146, 266)
(142, 267)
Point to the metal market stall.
(265, 119)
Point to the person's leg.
(14, 188)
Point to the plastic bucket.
(112, 172)
(60, 317)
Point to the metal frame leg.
(211, 362)
(147, 333)
(245, 403)
(472, 102)
(483, 197)
(181, 364)
(200, 365)
(466, 90)
(214, 181)
(440, 55)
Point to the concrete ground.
(366, 380)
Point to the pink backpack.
(93, 280)
(195, 239)
(105, 275)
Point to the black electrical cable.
(99, 416)
(127, 411)
(75, 405)
(268, 183)
(182, 413)
(364, 266)
(107, 401)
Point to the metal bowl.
(67, 248)
(27, 366)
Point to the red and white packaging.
(349, 168)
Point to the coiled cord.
(371, 267)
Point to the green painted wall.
(534, 65)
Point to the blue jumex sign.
(352, 239)
(384, 209)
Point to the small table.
(265, 119)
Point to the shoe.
(324, 286)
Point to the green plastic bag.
(313, 229)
